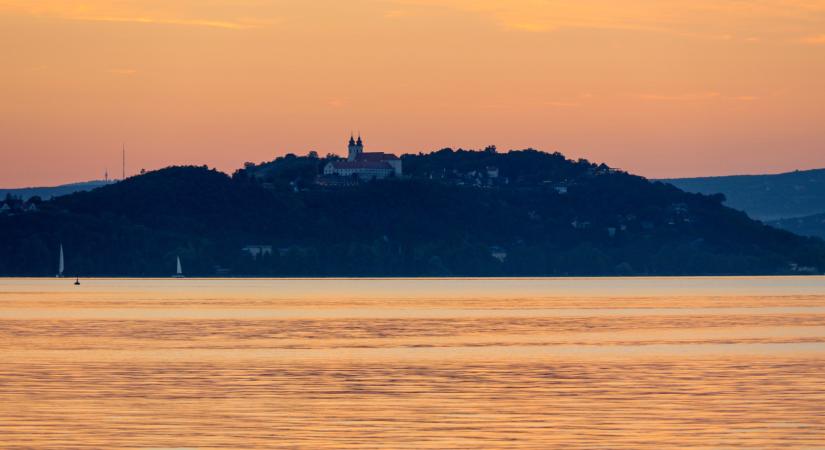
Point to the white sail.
(180, 272)
(60, 266)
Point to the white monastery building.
(366, 166)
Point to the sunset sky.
(656, 87)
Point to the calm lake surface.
(433, 363)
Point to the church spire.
(353, 149)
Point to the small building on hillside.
(498, 253)
(258, 250)
(580, 224)
(365, 166)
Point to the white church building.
(366, 166)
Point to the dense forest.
(454, 213)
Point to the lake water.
(442, 364)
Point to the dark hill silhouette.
(52, 191)
(813, 225)
(190, 200)
(457, 213)
(766, 197)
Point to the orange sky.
(656, 87)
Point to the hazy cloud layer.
(718, 19)
(659, 87)
(235, 15)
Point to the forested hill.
(52, 191)
(813, 225)
(766, 197)
(454, 213)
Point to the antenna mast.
(124, 162)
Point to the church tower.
(355, 148)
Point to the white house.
(498, 253)
(258, 250)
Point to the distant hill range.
(813, 225)
(765, 197)
(47, 193)
(453, 213)
(794, 200)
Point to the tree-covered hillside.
(455, 213)
(813, 225)
(52, 191)
(766, 197)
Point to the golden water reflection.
(703, 363)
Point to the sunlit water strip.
(475, 363)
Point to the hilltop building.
(365, 166)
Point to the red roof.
(376, 156)
(361, 165)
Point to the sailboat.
(179, 273)
(60, 265)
